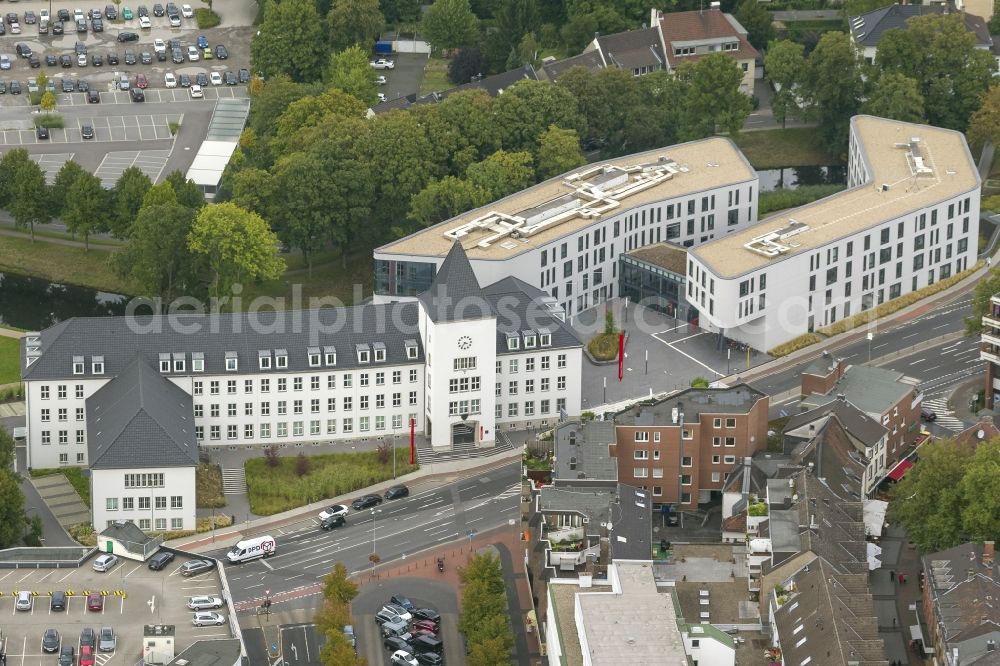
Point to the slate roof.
(589, 60)
(696, 26)
(870, 389)
(632, 49)
(140, 419)
(519, 307)
(120, 339)
(126, 532)
(856, 422)
(964, 590)
(867, 29)
(693, 402)
(830, 452)
(587, 457)
(455, 294)
(495, 84)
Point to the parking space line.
(66, 576)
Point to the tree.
(11, 510)
(48, 101)
(653, 122)
(895, 96)
(290, 40)
(161, 194)
(980, 489)
(757, 20)
(28, 197)
(252, 189)
(785, 65)
(400, 11)
(68, 173)
(186, 191)
(502, 173)
(236, 244)
(528, 108)
(10, 165)
(6, 449)
(514, 20)
(558, 152)
(86, 210)
(333, 614)
(470, 116)
(271, 100)
(984, 125)
(157, 258)
(311, 112)
(468, 62)
(713, 99)
(129, 192)
(349, 71)
(442, 200)
(832, 83)
(300, 216)
(605, 99)
(449, 24)
(494, 652)
(338, 587)
(354, 22)
(525, 53)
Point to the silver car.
(107, 642)
(206, 618)
(24, 601)
(105, 562)
(204, 603)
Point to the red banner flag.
(621, 355)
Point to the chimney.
(787, 502)
(988, 419)
(717, 6)
(988, 554)
(841, 397)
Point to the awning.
(899, 470)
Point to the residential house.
(867, 29)
(636, 51)
(688, 36)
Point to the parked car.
(127, 13)
(3, 87)
(426, 614)
(349, 632)
(97, 25)
(396, 643)
(395, 492)
(330, 522)
(244, 75)
(88, 638)
(220, 52)
(383, 63)
(112, 57)
(96, 59)
(185, 81)
(177, 56)
(129, 57)
(63, 14)
(145, 23)
(80, 48)
(81, 26)
(86, 655)
(429, 659)
(5, 62)
(106, 561)
(927, 414)
(67, 656)
(206, 618)
(202, 42)
(15, 87)
(128, 36)
(43, 27)
(34, 61)
(159, 45)
(29, 18)
(195, 567)
(187, 11)
(397, 629)
(146, 58)
(365, 501)
(333, 510)
(385, 615)
(201, 78)
(107, 640)
(81, 60)
(141, 10)
(160, 560)
(403, 602)
(24, 600)
(82, 85)
(427, 644)
(58, 28)
(196, 92)
(95, 602)
(158, 10)
(111, 12)
(15, 28)
(57, 602)
(65, 60)
(87, 131)
(169, 80)
(93, 97)
(192, 54)
(50, 641)
(403, 658)
(175, 21)
(404, 614)
(216, 79)
(204, 603)
(51, 60)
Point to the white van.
(250, 549)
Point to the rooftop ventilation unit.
(768, 245)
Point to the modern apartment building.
(989, 351)
(564, 235)
(909, 218)
(683, 446)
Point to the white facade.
(55, 414)
(533, 386)
(155, 499)
(704, 645)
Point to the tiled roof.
(964, 588)
(867, 29)
(495, 84)
(589, 60)
(140, 419)
(455, 294)
(517, 306)
(632, 49)
(971, 435)
(856, 422)
(697, 26)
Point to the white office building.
(909, 218)
(564, 235)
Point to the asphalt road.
(402, 528)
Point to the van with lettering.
(251, 549)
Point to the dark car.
(142, 11)
(146, 57)
(366, 502)
(396, 492)
(68, 85)
(221, 53)
(15, 87)
(161, 56)
(51, 60)
(97, 60)
(244, 75)
(30, 18)
(111, 12)
(97, 25)
(201, 78)
(174, 43)
(65, 60)
(87, 131)
(426, 614)
(43, 28)
(177, 56)
(331, 522)
(112, 57)
(81, 26)
(11, 18)
(43, 133)
(58, 600)
(67, 656)
(195, 567)
(400, 600)
(129, 57)
(57, 28)
(427, 644)
(34, 61)
(23, 50)
(3, 87)
(88, 637)
(396, 643)
(3, 30)
(230, 78)
(93, 97)
(429, 658)
(128, 37)
(80, 48)
(160, 560)
(171, 9)
(185, 81)
(50, 641)
(63, 14)
(82, 86)
(158, 10)
(927, 414)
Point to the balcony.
(991, 319)
(991, 335)
(990, 352)
(564, 534)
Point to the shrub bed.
(485, 618)
(275, 485)
(208, 487)
(206, 18)
(50, 120)
(74, 475)
(781, 199)
(604, 346)
(794, 344)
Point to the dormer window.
(164, 362)
(379, 352)
(411, 348)
(545, 338)
(530, 339)
(264, 359)
(330, 355)
(364, 354)
(232, 362)
(97, 365)
(281, 358)
(78, 365)
(197, 362)
(314, 357)
(179, 363)
(513, 342)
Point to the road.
(402, 527)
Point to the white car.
(382, 97)
(170, 80)
(196, 92)
(383, 63)
(43, 15)
(81, 60)
(335, 510)
(204, 603)
(186, 11)
(403, 658)
(193, 54)
(78, 15)
(4, 62)
(380, 80)
(15, 28)
(159, 45)
(175, 21)
(206, 618)
(403, 614)
(216, 79)
(144, 22)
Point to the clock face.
(464, 342)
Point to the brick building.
(688, 442)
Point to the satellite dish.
(980, 434)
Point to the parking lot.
(132, 595)
(106, 128)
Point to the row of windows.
(62, 414)
(298, 383)
(176, 362)
(298, 428)
(129, 504)
(61, 391)
(544, 407)
(529, 364)
(161, 524)
(63, 436)
(529, 386)
(64, 459)
(145, 480)
(298, 406)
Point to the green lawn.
(276, 489)
(10, 371)
(771, 149)
(435, 76)
(75, 477)
(58, 263)
(208, 487)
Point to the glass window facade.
(402, 278)
(655, 287)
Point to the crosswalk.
(945, 416)
(234, 481)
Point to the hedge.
(775, 200)
(795, 344)
(206, 18)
